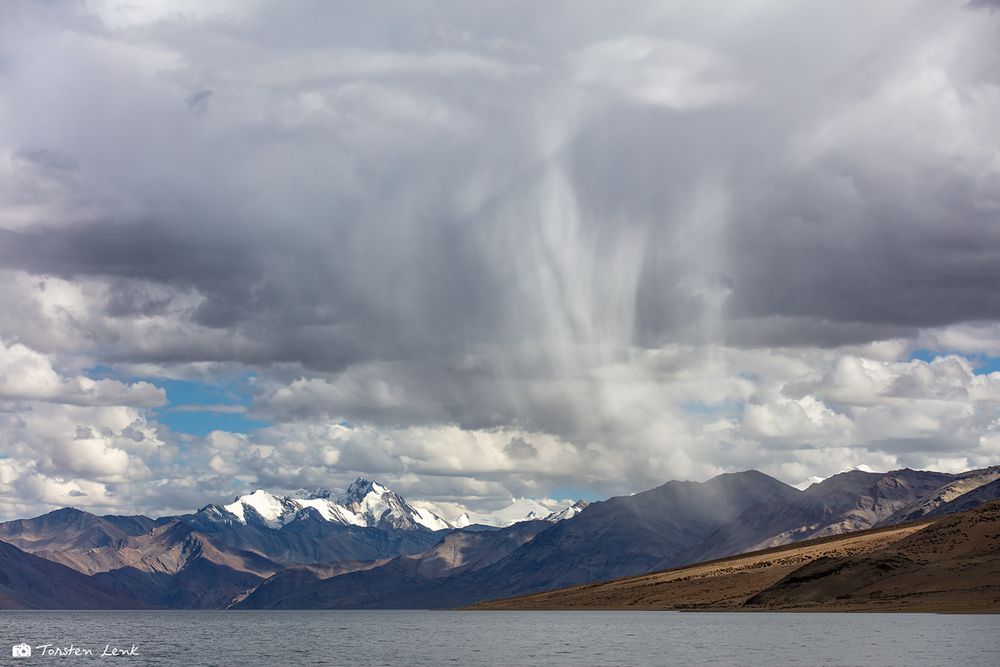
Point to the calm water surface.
(363, 638)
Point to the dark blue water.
(362, 638)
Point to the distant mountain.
(213, 557)
(522, 509)
(959, 486)
(401, 582)
(624, 535)
(70, 528)
(365, 504)
(967, 501)
(951, 565)
(620, 536)
(368, 547)
(209, 558)
(844, 503)
(568, 512)
(289, 584)
(31, 582)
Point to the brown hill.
(70, 529)
(845, 503)
(30, 582)
(967, 486)
(948, 564)
(951, 565)
(403, 582)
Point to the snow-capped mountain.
(522, 509)
(569, 512)
(225, 557)
(262, 507)
(365, 503)
(377, 505)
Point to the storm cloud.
(655, 243)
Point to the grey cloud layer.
(521, 218)
(409, 189)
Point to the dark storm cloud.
(922, 256)
(519, 448)
(47, 159)
(198, 101)
(389, 221)
(141, 250)
(521, 216)
(367, 242)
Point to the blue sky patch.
(701, 409)
(198, 408)
(981, 363)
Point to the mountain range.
(370, 548)
(932, 564)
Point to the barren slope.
(951, 565)
(724, 583)
(944, 564)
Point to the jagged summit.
(368, 503)
(360, 489)
(311, 494)
(522, 509)
(569, 512)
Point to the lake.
(362, 638)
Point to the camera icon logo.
(21, 650)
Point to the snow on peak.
(311, 494)
(523, 509)
(360, 489)
(263, 506)
(365, 503)
(569, 512)
(381, 507)
(429, 519)
(802, 486)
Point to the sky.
(480, 251)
